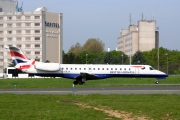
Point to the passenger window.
(120, 69)
(93, 68)
(71, 68)
(129, 68)
(79, 68)
(124, 68)
(66, 68)
(98, 68)
(102, 68)
(115, 68)
(107, 69)
(84, 68)
(111, 68)
(75, 68)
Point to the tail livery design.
(20, 60)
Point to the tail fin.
(17, 55)
(21, 62)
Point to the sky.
(103, 19)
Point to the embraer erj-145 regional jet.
(81, 72)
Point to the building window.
(37, 53)
(28, 31)
(37, 46)
(1, 25)
(18, 39)
(19, 46)
(10, 32)
(27, 46)
(37, 38)
(27, 17)
(9, 39)
(1, 32)
(18, 24)
(18, 18)
(1, 18)
(37, 17)
(9, 18)
(28, 38)
(1, 39)
(27, 24)
(37, 31)
(18, 31)
(28, 53)
(37, 24)
(9, 25)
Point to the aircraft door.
(136, 70)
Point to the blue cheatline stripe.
(100, 76)
(16, 61)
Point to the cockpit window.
(143, 68)
(151, 68)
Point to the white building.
(141, 37)
(37, 33)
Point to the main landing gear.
(78, 82)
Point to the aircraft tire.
(156, 82)
(75, 82)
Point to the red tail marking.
(26, 66)
(12, 53)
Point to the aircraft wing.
(87, 76)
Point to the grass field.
(67, 83)
(89, 107)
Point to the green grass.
(63, 107)
(67, 83)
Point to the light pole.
(3, 66)
(167, 62)
(86, 58)
(122, 58)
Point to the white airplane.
(81, 72)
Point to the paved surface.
(135, 89)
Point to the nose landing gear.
(156, 82)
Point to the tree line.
(92, 52)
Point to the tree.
(93, 45)
(47, 61)
(138, 58)
(75, 49)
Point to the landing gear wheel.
(75, 82)
(156, 82)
